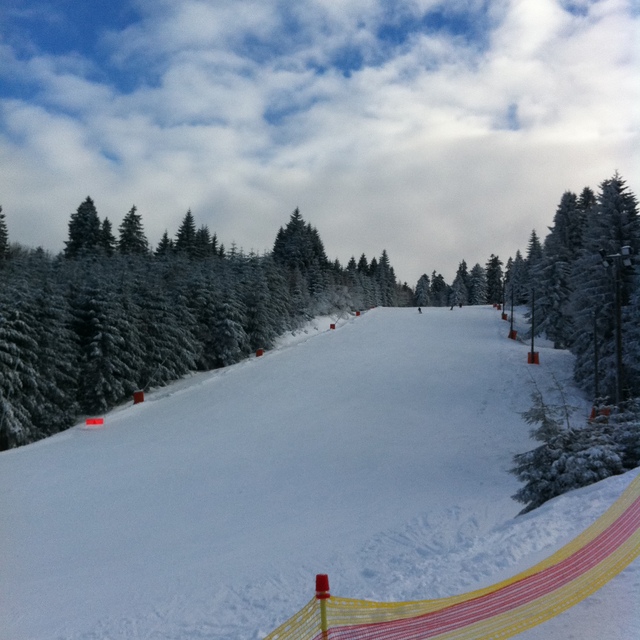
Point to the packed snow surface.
(377, 453)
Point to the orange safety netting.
(500, 611)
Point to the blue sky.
(439, 131)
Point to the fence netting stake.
(322, 594)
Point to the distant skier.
(419, 309)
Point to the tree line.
(82, 330)
(580, 289)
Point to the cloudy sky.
(437, 130)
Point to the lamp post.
(617, 261)
(512, 332)
(596, 364)
(533, 356)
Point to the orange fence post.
(322, 594)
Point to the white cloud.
(414, 154)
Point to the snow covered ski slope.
(376, 453)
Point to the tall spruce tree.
(132, 239)
(439, 290)
(611, 224)
(561, 249)
(85, 231)
(422, 293)
(4, 238)
(20, 388)
(298, 245)
(459, 286)
(106, 373)
(202, 246)
(107, 239)
(517, 282)
(493, 271)
(477, 285)
(165, 246)
(186, 238)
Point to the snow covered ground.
(376, 453)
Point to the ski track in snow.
(377, 453)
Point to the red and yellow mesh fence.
(502, 610)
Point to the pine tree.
(19, 388)
(169, 345)
(610, 225)
(422, 293)
(534, 250)
(459, 292)
(561, 249)
(57, 363)
(106, 377)
(261, 324)
(439, 290)
(298, 245)
(232, 341)
(459, 287)
(477, 285)
(493, 271)
(85, 231)
(533, 261)
(165, 246)
(387, 279)
(569, 458)
(363, 264)
(516, 281)
(107, 239)
(16, 427)
(4, 238)
(586, 201)
(186, 237)
(132, 239)
(631, 342)
(202, 243)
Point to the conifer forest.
(81, 331)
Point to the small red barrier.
(259, 352)
(605, 412)
(332, 326)
(322, 586)
(357, 313)
(94, 422)
(533, 357)
(138, 397)
(513, 334)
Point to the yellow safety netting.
(499, 611)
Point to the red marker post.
(322, 595)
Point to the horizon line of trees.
(82, 330)
(575, 294)
(581, 286)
